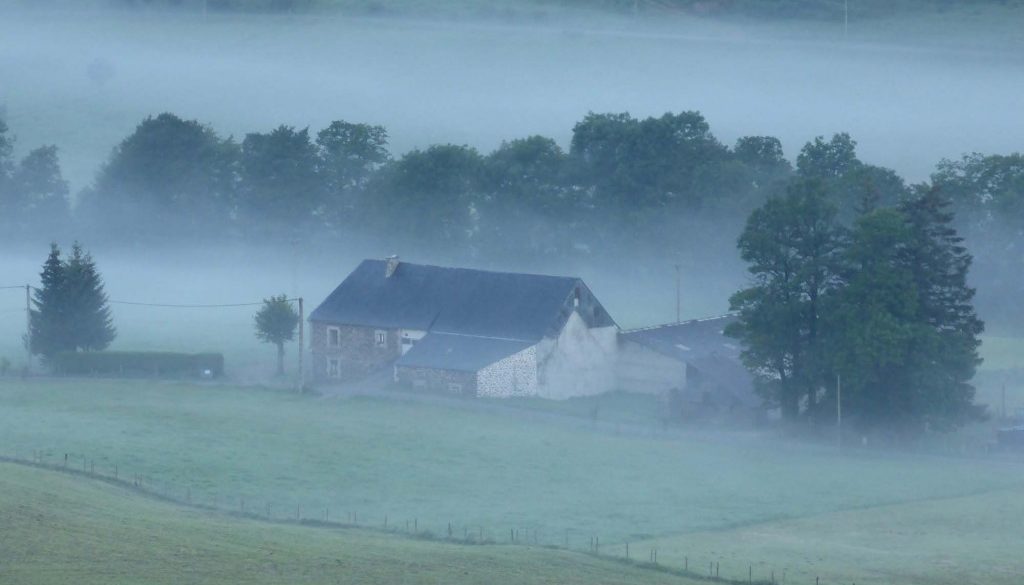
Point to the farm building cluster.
(498, 334)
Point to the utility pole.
(846, 18)
(1004, 401)
(839, 411)
(295, 267)
(28, 328)
(302, 330)
(678, 294)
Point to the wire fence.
(325, 517)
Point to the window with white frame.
(333, 337)
(334, 368)
(455, 388)
(381, 338)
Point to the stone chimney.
(390, 265)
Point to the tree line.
(625, 186)
(667, 178)
(178, 178)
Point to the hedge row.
(138, 363)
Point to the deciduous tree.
(793, 246)
(276, 322)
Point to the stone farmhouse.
(464, 331)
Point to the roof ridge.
(516, 339)
(687, 322)
(465, 268)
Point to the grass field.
(58, 529)
(955, 541)
(494, 470)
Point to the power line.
(179, 306)
(165, 305)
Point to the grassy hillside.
(59, 529)
(493, 471)
(957, 541)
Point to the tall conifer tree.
(47, 319)
(71, 309)
(90, 325)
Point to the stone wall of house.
(437, 381)
(516, 375)
(357, 352)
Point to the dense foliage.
(173, 178)
(33, 193)
(881, 308)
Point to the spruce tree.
(903, 331)
(939, 262)
(90, 326)
(71, 311)
(48, 318)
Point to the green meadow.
(492, 468)
(59, 529)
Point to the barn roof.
(525, 307)
(690, 340)
(702, 344)
(462, 353)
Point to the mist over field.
(660, 213)
(479, 83)
(82, 80)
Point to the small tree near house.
(276, 323)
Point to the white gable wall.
(580, 362)
(515, 375)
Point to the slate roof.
(524, 307)
(690, 340)
(702, 344)
(462, 353)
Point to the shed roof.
(525, 307)
(461, 353)
(690, 340)
(702, 344)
